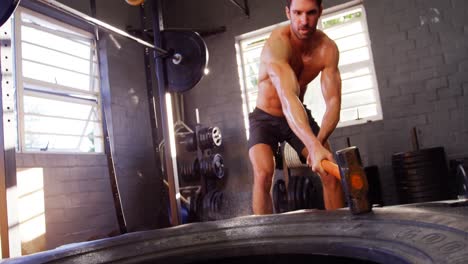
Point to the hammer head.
(354, 180)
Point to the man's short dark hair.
(288, 2)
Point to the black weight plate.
(299, 191)
(7, 8)
(406, 192)
(424, 196)
(217, 202)
(310, 194)
(278, 192)
(417, 195)
(421, 177)
(214, 204)
(283, 201)
(206, 206)
(419, 181)
(420, 194)
(296, 202)
(423, 188)
(291, 195)
(216, 136)
(416, 159)
(220, 201)
(305, 181)
(430, 152)
(418, 184)
(317, 193)
(191, 142)
(218, 166)
(211, 204)
(411, 201)
(414, 190)
(195, 207)
(214, 194)
(275, 197)
(293, 191)
(421, 200)
(185, 75)
(306, 192)
(192, 205)
(417, 171)
(420, 165)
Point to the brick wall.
(77, 198)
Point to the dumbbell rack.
(201, 141)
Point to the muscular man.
(291, 58)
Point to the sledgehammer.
(353, 178)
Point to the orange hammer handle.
(331, 168)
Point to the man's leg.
(333, 196)
(263, 163)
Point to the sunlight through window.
(58, 86)
(31, 207)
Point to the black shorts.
(272, 130)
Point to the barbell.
(184, 52)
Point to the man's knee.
(263, 178)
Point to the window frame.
(57, 92)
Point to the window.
(360, 95)
(57, 77)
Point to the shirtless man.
(291, 58)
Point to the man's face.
(304, 16)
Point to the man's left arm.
(331, 91)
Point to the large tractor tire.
(419, 233)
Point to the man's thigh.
(263, 130)
(296, 143)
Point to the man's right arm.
(276, 58)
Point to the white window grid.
(360, 93)
(58, 98)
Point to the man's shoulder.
(326, 40)
(282, 32)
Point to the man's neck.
(305, 45)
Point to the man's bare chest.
(306, 69)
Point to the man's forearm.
(329, 122)
(297, 120)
